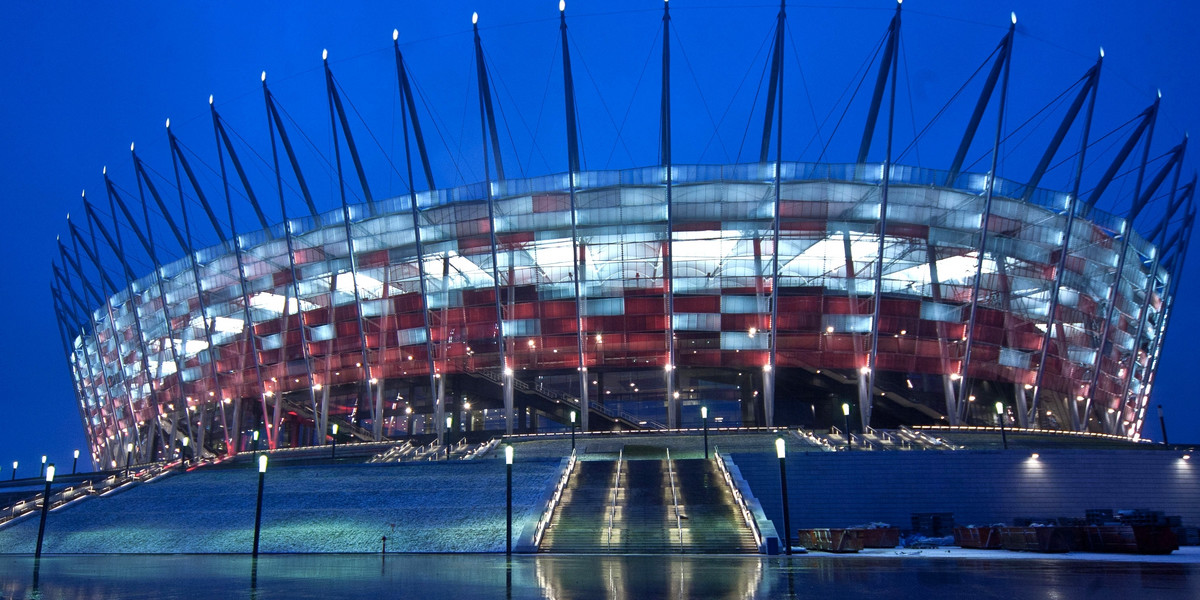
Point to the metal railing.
(143, 473)
(675, 499)
(495, 376)
(739, 499)
(548, 514)
(612, 513)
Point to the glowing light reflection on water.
(578, 577)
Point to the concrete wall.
(979, 487)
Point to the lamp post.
(333, 452)
(508, 458)
(262, 471)
(572, 431)
(846, 415)
(254, 442)
(42, 473)
(704, 416)
(449, 421)
(14, 475)
(183, 457)
(75, 462)
(37, 554)
(1000, 417)
(781, 452)
(128, 457)
(1162, 423)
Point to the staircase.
(580, 522)
(712, 523)
(647, 507)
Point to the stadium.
(859, 294)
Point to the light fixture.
(262, 463)
(780, 448)
(508, 455)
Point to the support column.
(238, 251)
(487, 123)
(576, 247)
(965, 382)
(274, 122)
(668, 255)
(892, 54)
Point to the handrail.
(675, 497)
(494, 375)
(738, 498)
(612, 513)
(548, 514)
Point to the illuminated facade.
(772, 292)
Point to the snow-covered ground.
(1184, 555)
(420, 507)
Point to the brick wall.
(979, 487)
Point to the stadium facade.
(773, 292)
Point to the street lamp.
(704, 415)
(333, 453)
(449, 421)
(14, 475)
(128, 457)
(42, 473)
(846, 415)
(183, 453)
(508, 458)
(781, 452)
(254, 442)
(1000, 417)
(37, 554)
(262, 471)
(572, 431)
(1162, 423)
(75, 462)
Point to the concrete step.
(645, 516)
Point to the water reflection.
(635, 577)
(579, 577)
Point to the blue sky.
(83, 80)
